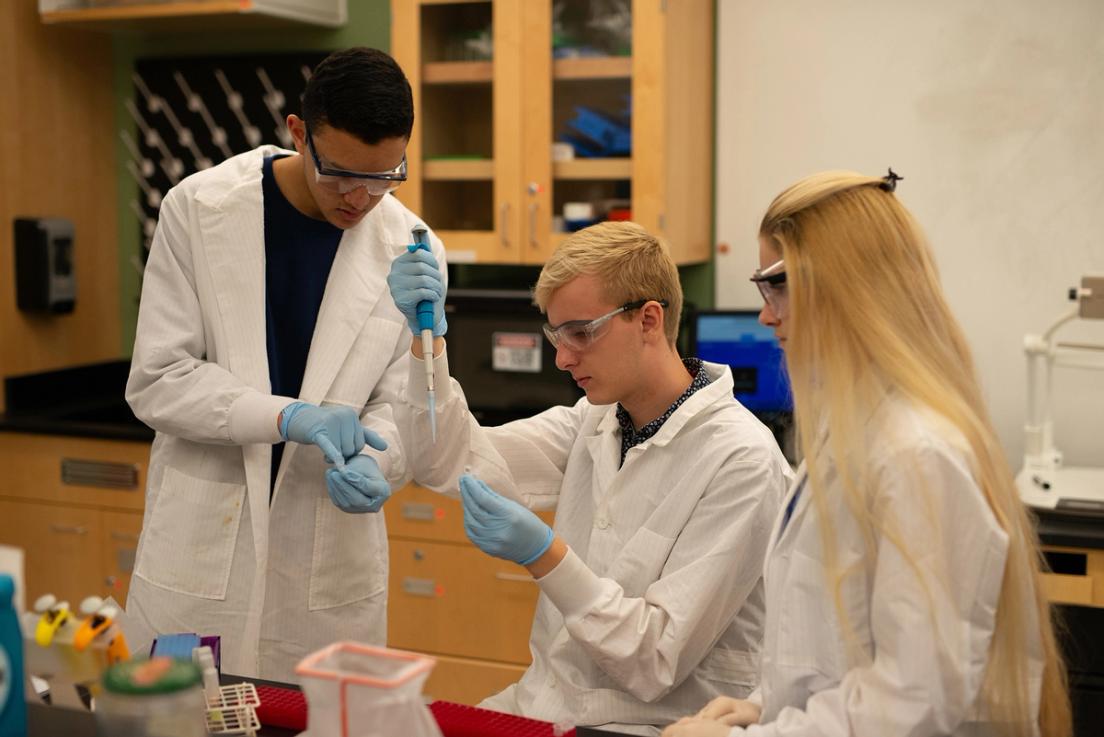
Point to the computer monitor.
(735, 338)
(498, 354)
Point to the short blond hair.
(631, 263)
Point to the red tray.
(287, 708)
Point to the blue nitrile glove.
(336, 430)
(358, 487)
(415, 276)
(501, 527)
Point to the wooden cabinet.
(449, 599)
(191, 14)
(75, 507)
(490, 99)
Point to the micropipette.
(425, 324)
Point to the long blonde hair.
(867, 315)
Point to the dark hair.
(360, 91)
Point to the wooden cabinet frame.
(671, 169)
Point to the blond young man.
(665, 489)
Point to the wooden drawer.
(465, 681)
(417, 513)
(455, 600)
(61, 546)
(1077, 576)
(33, 469)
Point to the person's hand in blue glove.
(501, 527)
(335, 430)
(415, 277)
(358, 487)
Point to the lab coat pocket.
(190, 536)
(810, 634)
(731, 668)
(640, 561)
(349, 559)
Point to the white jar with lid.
(160, 697)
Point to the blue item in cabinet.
(596, 134)
(13, 709)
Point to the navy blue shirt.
(299, 252)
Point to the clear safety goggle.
(343, 182)
(578, 335)
(772, 285)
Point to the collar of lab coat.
(231, 222)
(720, 385)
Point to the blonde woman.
(902, 588)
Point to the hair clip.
(889, 181)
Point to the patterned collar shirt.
(631, 437)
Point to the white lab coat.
(278, 580)
(658, 606)
(913, 675)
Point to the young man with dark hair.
(264, 319)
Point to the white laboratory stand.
(1045, 482)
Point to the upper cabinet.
(535, 117)
(191, 14)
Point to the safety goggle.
(772, 285)
(578, 335)
(343, 182)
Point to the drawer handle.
(69, 529)
(519, 577)
(419, 587)
(126, 537)
(76, 472)
(420, 512)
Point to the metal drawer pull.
(124, 560)
(69, 529)
(419, 586)
(99, 473)
(519, 577)
(420, 512)
(127, 537)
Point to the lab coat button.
(601, 523)
(551, 681)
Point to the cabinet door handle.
(533, 242)
(519, 577)
(69, 529)
(504, 224)
(127, 537)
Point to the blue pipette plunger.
(425, 325)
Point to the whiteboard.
(994, 114)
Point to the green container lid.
(154, 676)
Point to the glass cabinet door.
(460, 58)
(578, 119)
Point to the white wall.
(993, 111)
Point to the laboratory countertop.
(47, 721)
(82, 401)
